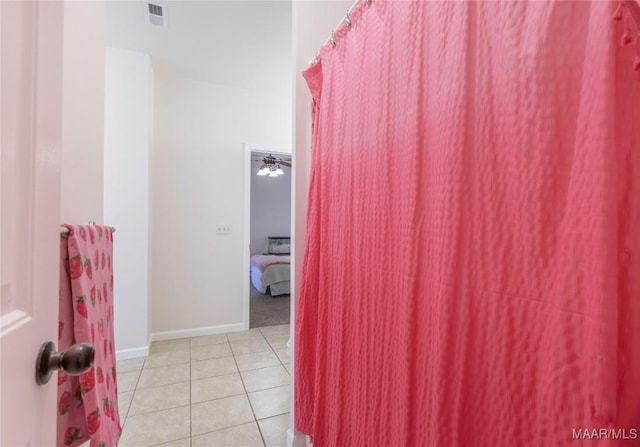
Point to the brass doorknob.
(74, 361)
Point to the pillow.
(279, 245)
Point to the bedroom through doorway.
(269, 238)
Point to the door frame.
(246, 289)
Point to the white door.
(30, 136)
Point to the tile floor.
(222, 390)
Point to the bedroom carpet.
(266, 310)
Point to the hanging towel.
(490, 152)
(88, 404)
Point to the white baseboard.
(196, 332)
(143, 351)
(126, 354)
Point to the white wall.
(270, 206)
(313, 22)
(197, 182)
(82, 112)
(128, 120)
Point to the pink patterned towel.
(88, 404)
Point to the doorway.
(267, 245)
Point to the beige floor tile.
(221, 413)
(170, 345)
(127, 380)
(276, 335)
(146, 400)
(247, 346)
(256, 360)
(246, 435)
(261, 379)
(180, 443)
(212, 339)
(164, 375)
(251, 334)
(210, 352)
(274, 430)
(288, 368)
(283, 355)
(167, 358)
(130, 365)
(278, 341)
(124, 400)
(216, 387)
(155, 428)
(271, 402)
(213, 367)
(279, 329)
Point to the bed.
(271, 274)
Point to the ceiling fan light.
(274, 174)
(279, 171)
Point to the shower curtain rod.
(65, 230)
(345, 21)
(632, 5)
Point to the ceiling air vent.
(157, 14)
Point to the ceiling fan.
(272, 166)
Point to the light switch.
(223, 229)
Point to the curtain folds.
(472, 266)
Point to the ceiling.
(245, 44)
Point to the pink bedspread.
(261, 262)
(490, 152)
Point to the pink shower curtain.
(472, 267)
